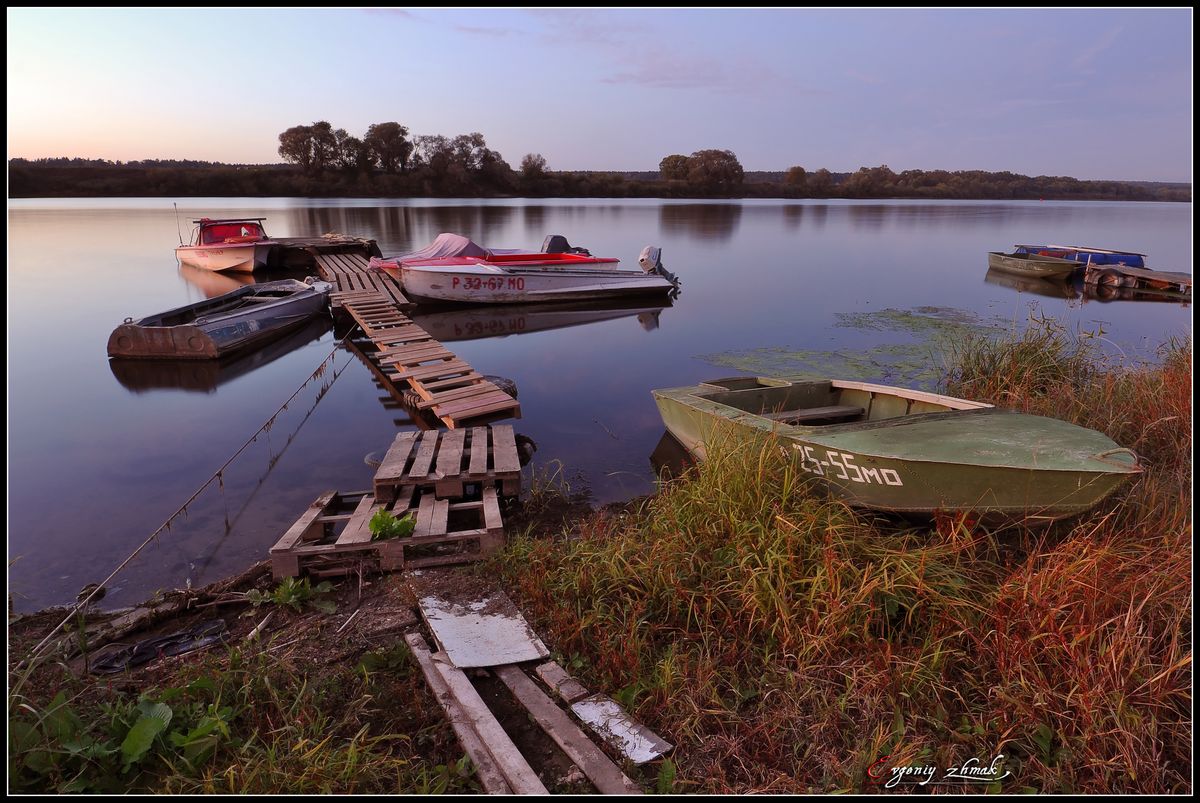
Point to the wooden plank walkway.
(352, 278)
(448, 387)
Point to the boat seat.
(836, 412)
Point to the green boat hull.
(1033, 266)
(918, 456)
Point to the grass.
(786, 643)
(240, 720)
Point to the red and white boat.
(453, 268)
(226, 245)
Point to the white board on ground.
(612, 724)
(477, 630)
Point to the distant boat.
(225, 245)
(906, 451)
(453, 268)
(1033, 266)
(218, 326)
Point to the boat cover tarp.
(453, 245)
(1129, 259)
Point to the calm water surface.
(98, 456)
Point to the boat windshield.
(227, 232)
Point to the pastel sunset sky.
(1099, 94)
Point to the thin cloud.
(486, 31)
(1083, 62)
(663, 71)
(865, 78)
(394, 12)
(587, 27)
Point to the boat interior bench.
(817, 402)
(836, 412)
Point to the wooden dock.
(405, 353)
(351, 277)
(304, 253)
(1142, 279)
(446, 532)
(447, 462)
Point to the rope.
(216, 475)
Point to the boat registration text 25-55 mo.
(844, 465)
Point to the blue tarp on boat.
(1093, 256)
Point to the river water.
(100, 455)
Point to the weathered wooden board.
(561, 682)
(618, 730)
(599, 768)
(474, 628)
(486, 768)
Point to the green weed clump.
(787, 643)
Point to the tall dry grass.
(786, 643)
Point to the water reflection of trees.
(958, 215)
(793, 216)
(402, 228)
(535, 220)
(702, 221)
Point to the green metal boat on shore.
(907, 451)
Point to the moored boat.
(206, 376)
(456, 269)
(905, 451)
(241, 245)
(223, 325)
(1031, 265)
(226, 245)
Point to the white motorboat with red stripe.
(455, 269)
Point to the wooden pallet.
(446, 532)
(447, 461)
(448, 387)
(351, 276)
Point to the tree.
(797, 177)
(870, 182)
(295, 146)
(388, 146)
(820, 183)
(715, 171)
(351, 154)
(324, 145)
(673, 167)
(533, 166)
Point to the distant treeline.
(324, 162)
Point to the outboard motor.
(651, 262)
(557, 244)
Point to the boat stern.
(131, 341)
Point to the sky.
(1094, 94)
